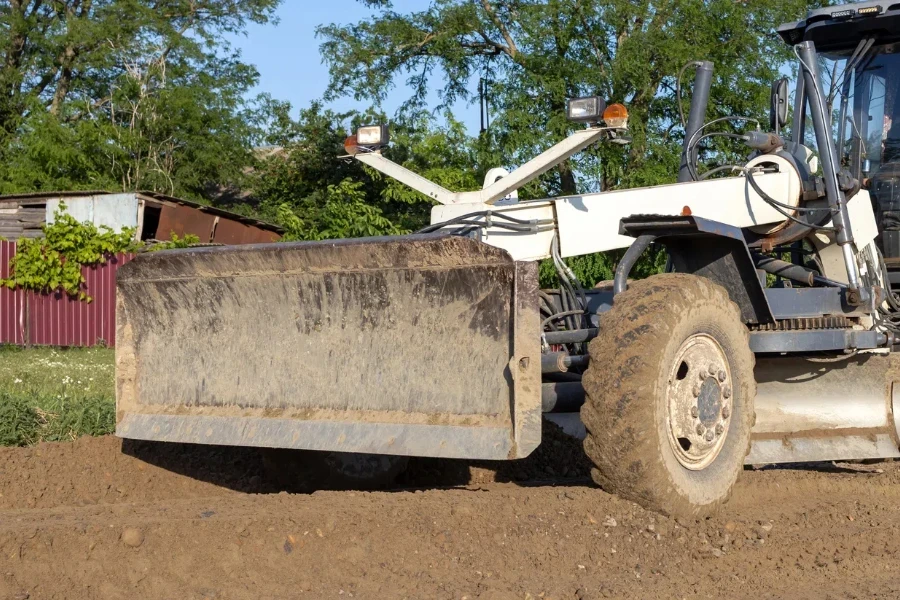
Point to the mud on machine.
(770, 337)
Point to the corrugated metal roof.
(37, 195)
(213, 211)
(152, 196)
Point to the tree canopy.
(315, 195)
(536, 53)
(149, 94)
(128, 94)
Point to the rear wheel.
(669, 395)
(311, 470)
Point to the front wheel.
(669, 395)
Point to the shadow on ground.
(559, 459)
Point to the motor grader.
(769, 338)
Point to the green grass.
(51, 394)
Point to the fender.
(702, 247)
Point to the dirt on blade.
(101, 519)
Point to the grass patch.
(52, 394)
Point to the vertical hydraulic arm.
(822, 125)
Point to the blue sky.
(288, 60)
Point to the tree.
(305, 187)
(537, 53)
(127, 94)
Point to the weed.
(51, 394)
(18, 421)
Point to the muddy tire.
(306, 470)
(669, 395)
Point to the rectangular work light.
(372, 136)
(585, 110)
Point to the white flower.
(18, 380)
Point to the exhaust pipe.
(699, 102)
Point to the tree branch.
(511, 47)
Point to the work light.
(585, 110)
(372, 137)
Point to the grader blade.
(809, 410)
(416, 345)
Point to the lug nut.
(722, 375)
(695, 411)
(709, 436)
(726, 392)
(725, 412)
(696, 391)
(719, 429)
(712, 370)
(700, 429)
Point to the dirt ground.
(99, 518)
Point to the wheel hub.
(709, 403)
(699, 401)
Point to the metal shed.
(155, 216)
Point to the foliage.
(18, 421)
(536, 53)
(64, 419)
(306, 189)
(127, 95)
(26, 420)
(48, 394)
(120, 95)
(591, 269)
(55, 261)
(175, 242)
(344, 213)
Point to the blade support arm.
(498, 190)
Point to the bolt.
(719, 429)
(695, 411)
(713, 370)
(709, 436)
(722, 375)
(726, 392)
(696, 391)
(700, 429)
(725, 411)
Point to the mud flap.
(415, 345)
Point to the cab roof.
(844, 25)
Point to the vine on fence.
(176, 242)
(55, 261)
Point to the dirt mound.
(86, 520)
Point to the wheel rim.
(699, 401)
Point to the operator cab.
(859, 67)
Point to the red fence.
(56, 319)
